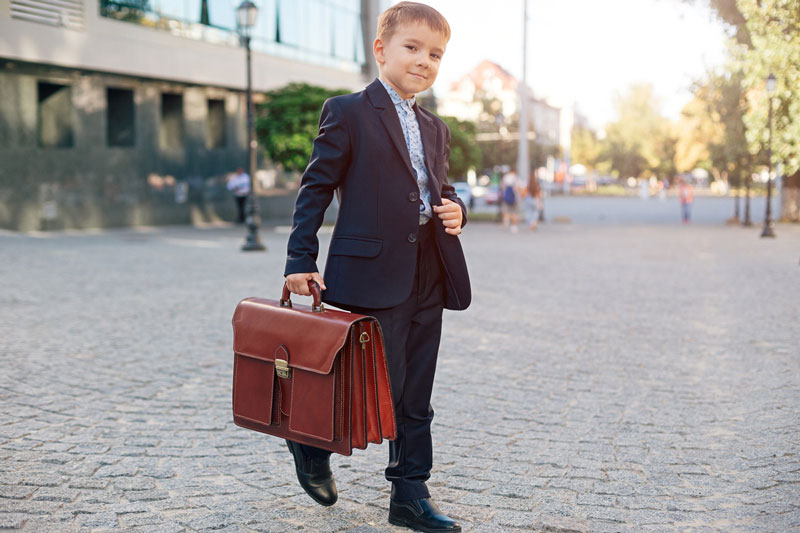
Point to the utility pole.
(523, 160)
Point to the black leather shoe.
(315, 476)
(421, 514)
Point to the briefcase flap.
(312, 339)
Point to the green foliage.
(585, 147)
(713, 131)
(774, 28)
(464, 150)
(640, 143)
(287, 122)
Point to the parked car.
(464, 192)
(492, 195)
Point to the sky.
(586, 51)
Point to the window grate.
(65, 13)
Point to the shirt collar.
(396, 98)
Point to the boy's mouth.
(420, 76)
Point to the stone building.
(132, 112)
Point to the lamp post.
(498, 120)
(769, 225)
(747, 222)
(246, 15)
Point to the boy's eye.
(436, 56)
(411, 47)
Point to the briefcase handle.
(316, 293)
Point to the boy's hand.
(298, 283)
(451, 215)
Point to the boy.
(395, 252)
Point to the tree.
(287, 122)
(713, 132)
(640, 143)
(766, 39)
(585, 147)
(774, 29)
(464, 150)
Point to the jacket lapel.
(428, 132)
(380, 99)
(392, 124)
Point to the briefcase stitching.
(375, 384)
(233, 396)
(280, 401)
(386, 375)
(364, 388)
(363, 412)
(340, 362)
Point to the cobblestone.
(607, 378)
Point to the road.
(630, 210)
(612, 377)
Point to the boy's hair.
(408, 12)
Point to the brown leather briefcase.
(311, 375)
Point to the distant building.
(489, 95)
(467, 99)
(488, 81)
(120, 112)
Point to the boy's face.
(409, 60)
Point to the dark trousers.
(240, 204)
(411, 334)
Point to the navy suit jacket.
(361, 154)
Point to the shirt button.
(412, 237)
(413, 197)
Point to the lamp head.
(246, 15)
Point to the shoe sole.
(297, 473)
(405, 523)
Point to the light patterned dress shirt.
(408, 121)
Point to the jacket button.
(412, 237)
(413, 197)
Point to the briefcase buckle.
(363, 339)
(282, 369)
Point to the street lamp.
(769, 225)
(498, 120)
(246, 15)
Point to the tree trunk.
(790, 198)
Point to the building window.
(55, 128)
(323, 32)
(215, 126)
(121, 128)
(171, 133)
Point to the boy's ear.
(377, 50)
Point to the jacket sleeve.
(448, 191)
(330, 157)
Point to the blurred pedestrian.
(686, 194)
(532, 197)
(663, 185)
(511, 194)
(239, 185)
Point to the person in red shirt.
(686, 194)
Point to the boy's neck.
(399, 93)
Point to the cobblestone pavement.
(607, 378)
